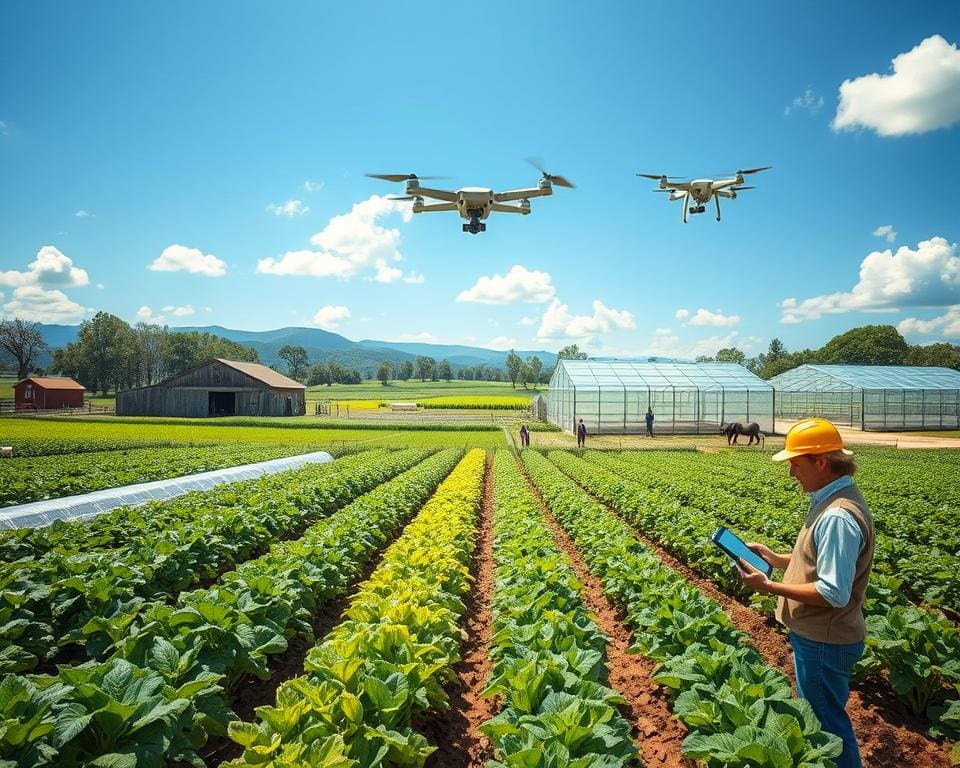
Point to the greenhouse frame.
(885, 398)
(612, 396)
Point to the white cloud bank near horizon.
(921, 94)
(37, 297)
(559, 324)
(928, 276)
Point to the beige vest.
(826, 624)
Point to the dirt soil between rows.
(455, 730)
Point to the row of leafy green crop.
(917, 496)
(55, 446)
(737, 709)
(172, 670)
(549, 656)
(46, 602)
(918, 648)
(376, 672)
(35, 478)
(928, 574)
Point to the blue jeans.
(823, 679)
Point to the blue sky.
(203, 163)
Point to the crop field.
(431, 603)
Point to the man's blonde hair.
(841, 463)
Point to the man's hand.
(775, 559)
(753, 578)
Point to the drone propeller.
(754, 170)
(404, 197)
(560, 181)
(663, 190)
(740, 189)
(401, 176)
(654, 176)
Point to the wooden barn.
(43, 393)
(217, 387)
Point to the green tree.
(731, 355)
(406, 370)
(514, 367)
(104, 346)
(942, 354)
(425, 367)
(867, 345)
(317, 375)
(444, 371)
(571, 352)
(24, 342)
(535, 366)
(296, 359)
(384, 372)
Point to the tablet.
(733, 545)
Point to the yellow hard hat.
(811, 436)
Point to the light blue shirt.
(839, 542)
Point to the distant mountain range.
(324, 347)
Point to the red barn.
(43, 393)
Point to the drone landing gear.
(697, 209)
(475, 226)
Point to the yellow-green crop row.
(387, 662)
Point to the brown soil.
(890, 736)
(454, 731)
(657, 734)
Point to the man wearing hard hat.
(820, 599)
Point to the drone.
(701, 190)
(472, 203)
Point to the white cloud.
(922, 93)
(3, 128)
(414, 278)
(423, 337)
(385, 273)
(176, 258)
(49, 269)
(501, 343)
(682, 314)
(179, 311)
(208, 309)
(82, 214)
(808, 102)
(351, 243)
(665, 343)
(926, 277)
(38, 305)
(519, 284)
(330, 317)
(714, 319)
(529, 320)
(313, 186)
(290, 209)
(558, 323)
(886, 231)
(948, 325)
(145, 315)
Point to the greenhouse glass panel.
(613, 396)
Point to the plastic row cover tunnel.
(41, 513)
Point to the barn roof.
(53, 382)
(262, 373)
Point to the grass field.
(204, 431)
(410, 391)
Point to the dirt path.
(889, 735)
(454, 731)
(657, 734)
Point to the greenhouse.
(871, 397)
(612, 396)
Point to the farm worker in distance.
(524, 436)
(581, 434)
(649, 420)
(820, 599)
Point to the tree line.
(866, 345)
(111, 354)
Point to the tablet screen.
(730, 543)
